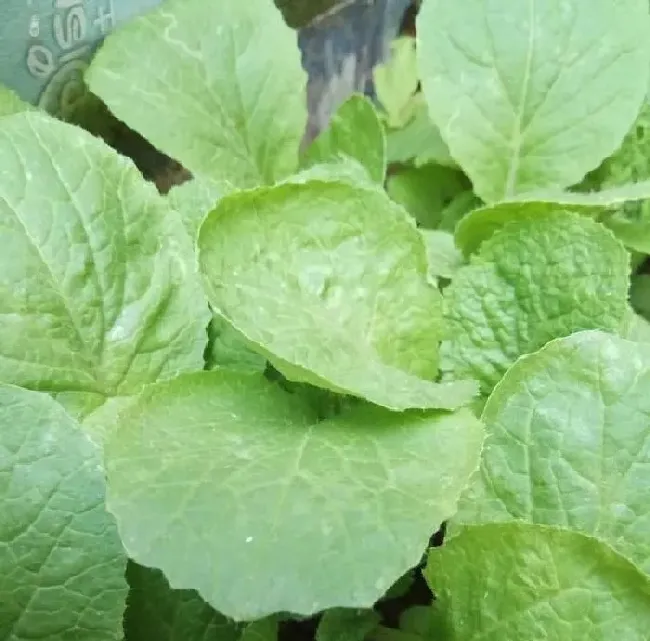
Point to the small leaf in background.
(97, 279)
(425, 191)
(631, 163)
(459, 207)
(530, 582)
(396, 82)
(419, 623)
(537, 279)
(194, 199)
(480, 223)
(232, 487)
(401, 587)
(346, 624)
(224, 81)
(354, 131)
(635, 328)
(330, 282)
(228, 348)
(10, 103)
(61, 560)
(263, 630)
(298, 13)
(532, 95)
(569, 443)
(343, 169)
(640, 294)
(444, 257)
(418, 140)
(156, 611)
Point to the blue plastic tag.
(45, 45)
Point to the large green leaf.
(232, 487)
(569, 443)
(479, 224)
(354, 131)
(532, 94)
(330, 282)
(217, 85)
(157, 612)
(527, 582)
(98, 290)
(538, 278)
(61, 560)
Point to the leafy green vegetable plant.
(248, 405)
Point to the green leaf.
(194, 199)
(79, 404)
(444, 257)
(425, 191)
(97, 280)
(640, 294)
(231, 487)
(635, 328)
(354, 131)
(538, 278)
(96, 414)
(61, 560)
(418, 140)
(263, 630)
(419, 623)
(223, 79)
(343, 169)
(330, 282)
(532, 94)
(401, 587)
(631, 163)
(530, 582)
(10, 103)
(299, 13)
(156, 611)
(569, 443)
(460, 206)
(479, 225)
(228, 348)
(345, 624)
(103, 421)
(396, 81)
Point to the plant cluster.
(254, 399)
